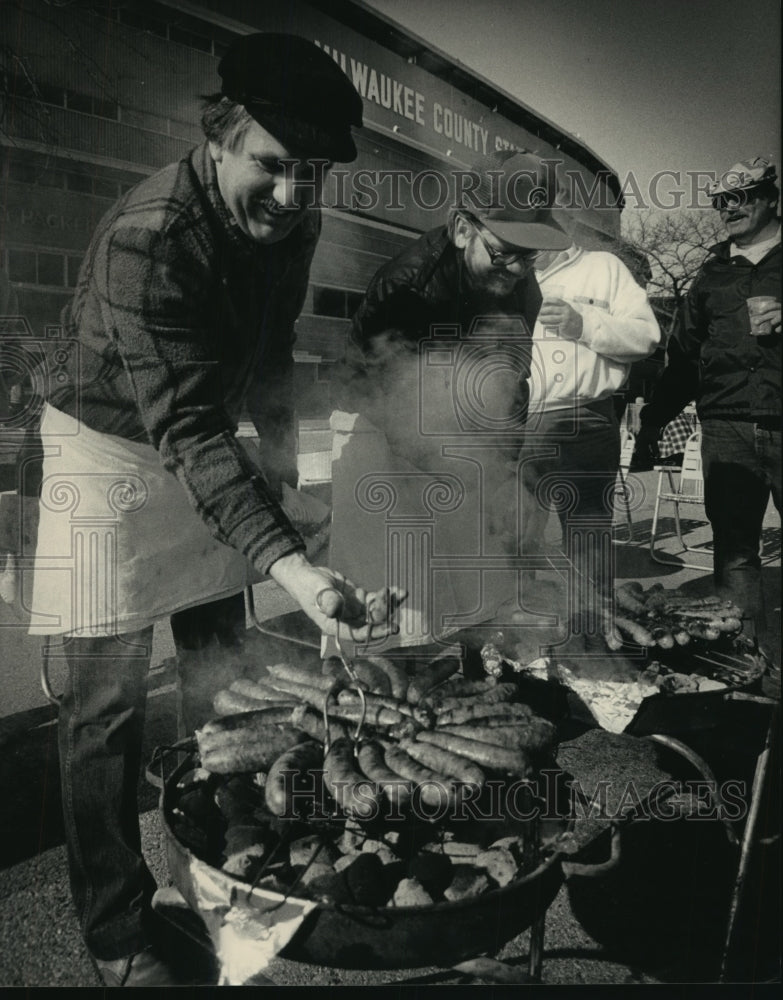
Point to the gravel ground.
(40, 945)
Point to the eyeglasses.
(503, 258)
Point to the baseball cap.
(743, 175)
(294, 90)
(514, 201)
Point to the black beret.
(295, 90)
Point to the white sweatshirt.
(618, 328)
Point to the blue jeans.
(100, 733)
(742, 467)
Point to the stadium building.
(96, 94)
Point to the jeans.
(742, 466)
(100, 733)
(572, 466)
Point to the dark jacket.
(183, 324)
(412, 299)
(712, 357)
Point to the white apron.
(119, 545)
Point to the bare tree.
(675, 244)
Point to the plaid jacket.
(183, 324)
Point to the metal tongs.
(339, 684)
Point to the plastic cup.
(553, 292)
(757, 305)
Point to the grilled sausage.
(372, 763)
(634, 630)
(228, 702)
(376, 679)
(287, 776)
(309, 693)
(376, 701)
(375, 716)
(444, 761)
(351, 790)
(398, 676)
(242, 723)
(298, 675)
(253, 753)
(534, 736)
(306, 718)
(434, 788)
(498, 758)
(491, 696)
(470, 712)
(459, 687)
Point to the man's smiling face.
(746, 214)
(266, 195)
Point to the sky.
(648, 85)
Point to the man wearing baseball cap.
(184, 318)
(464, 297)
(726, 354)
(480, 263)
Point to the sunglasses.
(502, 258)
(735, 199)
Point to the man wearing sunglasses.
(730, 362)
(439, 357)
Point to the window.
(35, 172)
(51, 269)
(74, 263)
(22, 265)
(78, 102)
(29, 267)
(328, 301)
(353, 300)
(22, 173)
(336, 302)
(175, 26)
(85, 178)
(105, 188)
(88, 105)
(105, 109)
(79, 182)
(51, 94)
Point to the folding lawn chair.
(681, 486)
(622, 497)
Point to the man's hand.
(770, 315)
(557, 313)
(645, 452)
(327, 597)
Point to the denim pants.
(569, 464)
(100, 734)
(742, 466)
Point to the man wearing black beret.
(184, 315)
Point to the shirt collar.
(563, 258)
(756, 250)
